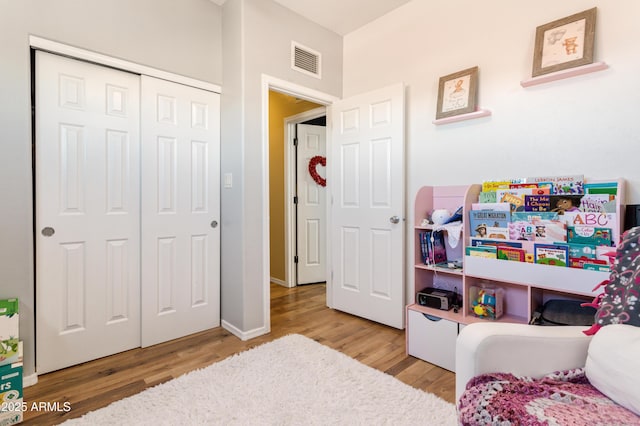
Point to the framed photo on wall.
(565, 43)
(457, 93)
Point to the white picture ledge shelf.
(568, 73)
(462, 117)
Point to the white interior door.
(180, 210)
(311, 207)
(367, 210)
(87, 212)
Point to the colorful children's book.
(579, 262)
(537, 203)
(529, 216)
(424, 237)
(550, 230)
(439, 249)
(522, 185)
(487, 197)
(546, 185)
(573, 184)
(521, 230)
(551, 254)
(564, 203)
(522, 189)
(582, 250)
(478, 242)
(497, 233)
(581, 253)
(517, 202)
(432, 247)
(590, 235)
(599, 203)
(480, 220)
(491, 206)
(599, 220)
(596, 267)
(488, 252)
(610, 188)
(514, 191)
(492, 185)
(510, 253)
(516, 196)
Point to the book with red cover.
(511, 253)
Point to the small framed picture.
(565, 43)
(457, 93)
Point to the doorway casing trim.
(312, 95)
(289, 188)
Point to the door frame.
(290, 232)
(282, 86)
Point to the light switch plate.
(228, 180)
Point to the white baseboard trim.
(29, 380)
(278, 281)
(243, 335)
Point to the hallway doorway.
(285, 113)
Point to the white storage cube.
(432, 339)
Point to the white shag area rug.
(289, 381)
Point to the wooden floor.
(77, 390)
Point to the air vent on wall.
(305, 60)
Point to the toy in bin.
(486, 302)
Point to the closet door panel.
(180, 210)
(87, 178)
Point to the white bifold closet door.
(112, 270)
(180, 210)
(87, 211)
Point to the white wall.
(585, 125)
(257, 37)
(181, 37)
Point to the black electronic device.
(632, 216)
(437, 298)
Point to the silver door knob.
(394, 219)
(48, 231)
(214, 224)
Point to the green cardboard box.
(11, 397)
(9, 330)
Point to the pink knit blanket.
(561, 398)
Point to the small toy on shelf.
(440, 216)
(486, 302)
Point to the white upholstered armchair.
(520, 349)
(594, 379)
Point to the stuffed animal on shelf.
(440, 216)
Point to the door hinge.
(295, 199)
(295, 141)
(295, 259)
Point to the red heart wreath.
(313, 163)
